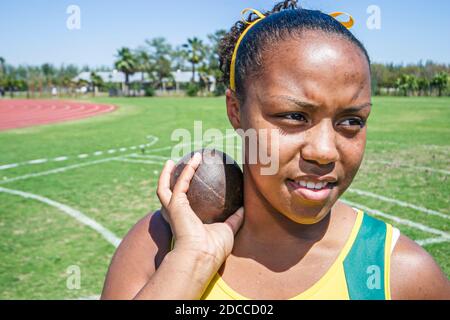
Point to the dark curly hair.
(286, 19)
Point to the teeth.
(312, 185)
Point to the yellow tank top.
(361, 271)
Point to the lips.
(311, 190)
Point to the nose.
(320, 144)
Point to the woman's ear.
(233, 109)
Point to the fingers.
(235, 220)
(163, 191)
(184, 180)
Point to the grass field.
(404, 180)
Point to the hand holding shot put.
(190, 233)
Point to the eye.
(352, 123)
(295, 116)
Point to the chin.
(308, 216)
(306, 211)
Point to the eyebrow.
(309, 105)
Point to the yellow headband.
(348, 24)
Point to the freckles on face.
(315, 92)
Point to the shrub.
(149, 92)
(192, 90)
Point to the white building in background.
(113, 77)
(179, 77)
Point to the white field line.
(153, 139)
(431, 241)
(399, 203)
(59, 159)
(408, 223)
(9, 166)
(425, 146)
(77, 215)
(193, 142)
(57, 170)
(84, 164)
(446, 172)
(154, 157)
(138, 161)
(37, 161)
(75, 166)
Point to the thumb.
(235, 220)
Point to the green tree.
(179, 58)
(407, 84)
(160, 56)
(126, 62)
(2, 66)
(2, 74)
(96, 82)
(195, 52)
(48, 71)
(213, 60)
(423, 86)
(144, 65)
(440, 82)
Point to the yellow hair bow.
(348, 24)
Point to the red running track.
(27, 113)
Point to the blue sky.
(34, 31)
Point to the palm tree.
(96, 82)
(48, 71)
(213, 52)
(2, 65)
(407, 84)
(440, 81)
(126, 62)
(160, 56)
(423, 85)
(2, 76)
(195, 51)
(143, 64)
(178, 58)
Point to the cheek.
(265, 145)
(351, 155)
(283, 151)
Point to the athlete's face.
(315, 93)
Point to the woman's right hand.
(191, 235)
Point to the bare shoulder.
(137, 257)
(415, 274)
(345, 212)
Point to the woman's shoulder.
(150, 237)
(415, 274)
(138, 256)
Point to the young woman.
(303, 74)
